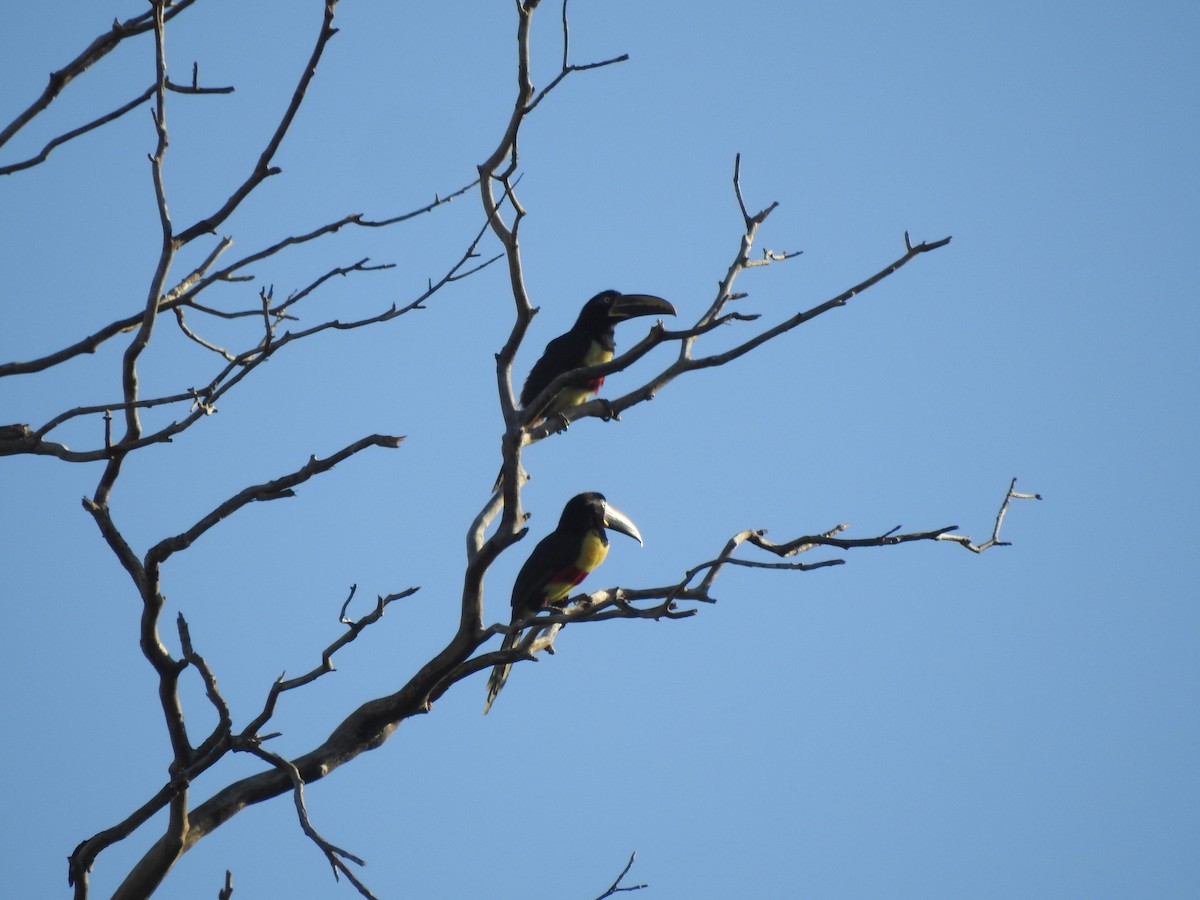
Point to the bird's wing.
(549, 573)
(564, 353)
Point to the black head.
(608, 308)
(591, 510)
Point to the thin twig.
(263, 168)
(104, 120)
(93, 53)
(353, 630)
(282, 486)
(615, 887)
(612, 408)
(218, 739)
(994, 540)
(336, 856)
(241, 365)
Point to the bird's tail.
(500, 672)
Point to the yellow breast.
(573, 396)
(597, 355)
(593, 552)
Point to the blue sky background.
(920, 722)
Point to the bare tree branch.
(129, 373)
(188, 289)
(617, 603)
(270, 490)
(220, 742)
(336, 856)
(104, 120)
(263, 168)
(262, 334)
(994, 540)
(222, 730)
(353, 630)
(481, 551)
(21, 439)
(615, 887)
(686, 362)
(93, 53)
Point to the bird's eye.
(608, 299)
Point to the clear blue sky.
(918, 723)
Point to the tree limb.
(336, 856)
(188, 289)
(615, 887)
(104, 120)
(93, 53)
(270, 490)
(263, 168)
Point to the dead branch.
(219, 743)
(336, 856)
(615, 887)
(187, 762)
(189, 288)
(141, 339)
(220, 733)
(263, 168)
(481, 551)
(518, 432)
(270, 490)
(618, 603)
(93, 53)
(137, 101)
(374, 721)
(612, 408)
(353, 630)
(994, 540)
(21, 439)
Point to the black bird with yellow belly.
(561, 560)
(590, 342)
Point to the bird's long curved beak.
(618, 521)
(628, 306)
